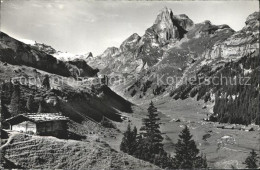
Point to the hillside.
(27, 152)
(15, 52)
(75, 100)
(233, 89)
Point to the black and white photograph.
(129, 84)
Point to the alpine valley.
(177, 64)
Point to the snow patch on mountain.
(27, 41)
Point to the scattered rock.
(178, 120)
(206, 136)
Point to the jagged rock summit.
(168, 26)
(137, 52)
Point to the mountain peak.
(89, 55)
(254, 17)
(165, 15)
(166, 10)
(85, 57)
(130, 42)
(168, 26)
(110, 51)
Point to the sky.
(82, 26)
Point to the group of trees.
(13, 103)
(33, 106)
(239, 101)
(148, 146)
(235, 86)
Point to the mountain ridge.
(163, 50)
(39, 56)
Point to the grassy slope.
(49, 152)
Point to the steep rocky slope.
(40, 57)
(74, 98)
(240, 43)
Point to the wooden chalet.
(45, 124)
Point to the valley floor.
(224, 148)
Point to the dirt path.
(9, 140)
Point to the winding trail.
(13, 134)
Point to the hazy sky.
(79, 26)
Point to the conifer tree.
(29, 103)
(15, 101)
(251, 160)
(41, 107)
(151, 130)
(128, 144)
(11, 88)
(187, 151)
(142, 151)
(201, 161)
(46, 82)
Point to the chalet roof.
(36, 117)
(46, 116)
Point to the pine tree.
(151, 130)
(128, 144)
(29, 103)
(142, 151)
(15, 101)
(201, 162)
(46, 82)
(41, 107)
(10, 87)
(93, 89)
(251, 160)
(187, 151)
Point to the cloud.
(87, 19)
(61, 6)
(106, 15)
(49, 6)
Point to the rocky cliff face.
(174, 46)
(168, 26)
(43, 47)
(240, 43)
(137, 53)
(16, 52)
